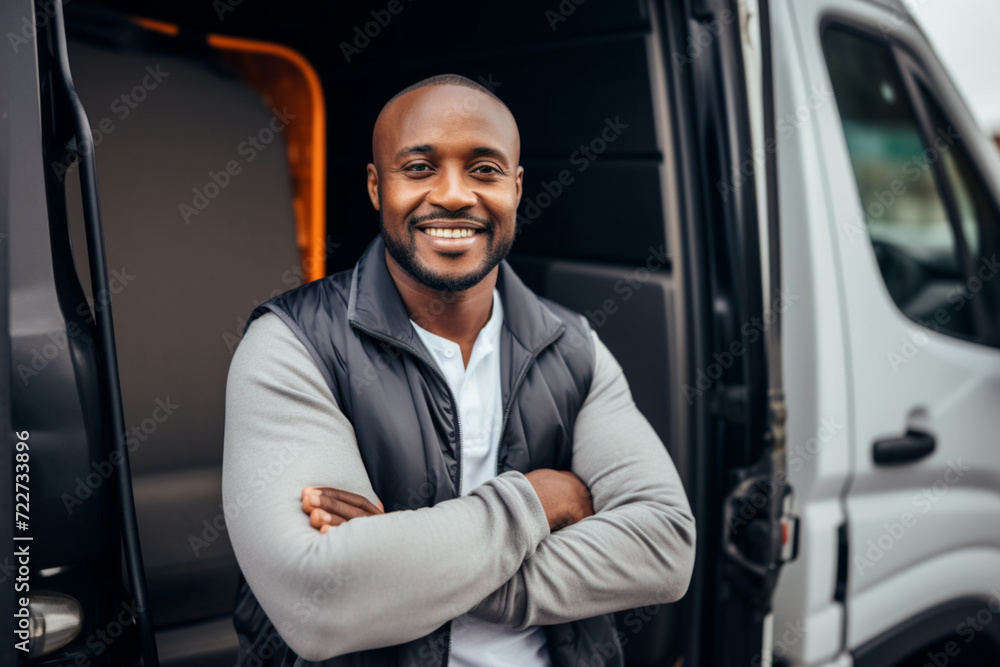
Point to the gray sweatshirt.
(387, 579)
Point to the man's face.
(446, 184)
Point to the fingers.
(319, 519)
(328, 507)
(349, 498)
(342, 509)
(319, 496)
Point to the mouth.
(451, 229)
(449, 232)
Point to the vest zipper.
(444, 380)
(458, 425)
(447, 652)
(458, 421)
(517, 385)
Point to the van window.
(976, 212)
(894, 166)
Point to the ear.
(518, 182)
(373, 185)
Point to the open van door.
(734, 284)
(65, 401)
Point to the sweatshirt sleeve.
(638, 547)
(370, 582)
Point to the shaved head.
(468, 102)
(446, 181)
(441, 80)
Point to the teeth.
(459, 233)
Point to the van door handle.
(913, 446)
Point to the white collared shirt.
(480, 413)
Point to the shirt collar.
(374, 303)
(488, 336)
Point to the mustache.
(445, 214)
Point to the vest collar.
(375, 304)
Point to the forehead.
(447, 117)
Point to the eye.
(489, 169)
(417, 168)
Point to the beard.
(405, 254)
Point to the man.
(427, 464)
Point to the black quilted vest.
(358, 331)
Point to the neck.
(457, 316)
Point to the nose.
(451, 191)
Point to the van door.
(913, 187)
(734, 379)
(63, 383)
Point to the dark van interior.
(231, 142)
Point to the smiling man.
(470, 482)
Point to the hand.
(328, 507)
(565, 498)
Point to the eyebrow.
(424, 149)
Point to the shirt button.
(449, 353)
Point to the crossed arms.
(392, 577)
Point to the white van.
(889, 232)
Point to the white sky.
(966, 36)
